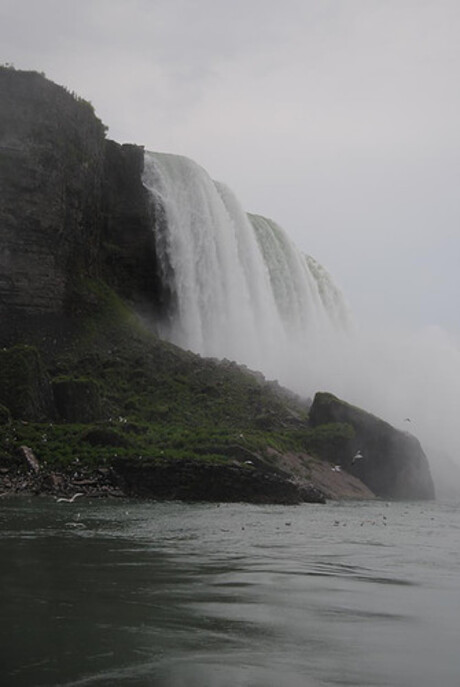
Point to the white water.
(245, 292)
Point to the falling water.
(241, 288)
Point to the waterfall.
(240, 287)
(242, 290)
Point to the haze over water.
(173, 595)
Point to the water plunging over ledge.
(241, 288)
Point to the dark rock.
(72, 208)
(24, 384)
(128, 251)
(190, 480)
(393, 464)
(51, 161)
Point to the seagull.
(72, 499)
(358, 455)
(336, 468)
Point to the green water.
(174, 595)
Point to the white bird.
(358, 455)
(72, 499)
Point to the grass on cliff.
(156, 401)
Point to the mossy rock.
(330, 441)
(393, 463)
(77, 400)
(24, 384)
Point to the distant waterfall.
(241, 288)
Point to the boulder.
(393, 464)
(29, 459)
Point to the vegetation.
(119, 392)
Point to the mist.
(411, 379)
(244, 291)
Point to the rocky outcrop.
(51, 163)
(25, 388)
(393, 464)
(190, 480)
(128, 253)
(72, 206)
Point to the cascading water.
(241, 288)
(243, 291)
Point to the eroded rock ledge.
(184, 480)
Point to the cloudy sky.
(340, 119)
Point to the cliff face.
(52, 151)
(128, 254)
(72, 205)
(393, 464)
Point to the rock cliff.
(393, 464)
(72, 205)
(51, 162)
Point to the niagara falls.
(242, 290)
(229, 343)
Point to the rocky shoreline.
(97, 483)
(184, 480)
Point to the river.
(137, 593)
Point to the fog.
(411, 378)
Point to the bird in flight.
(71, 500)
(358, 456)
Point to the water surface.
(175, 595)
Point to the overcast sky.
(339, 119)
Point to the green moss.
(329, 441)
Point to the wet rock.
(190, 480)
(30, 459)
(393, 464)
(25, 388)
